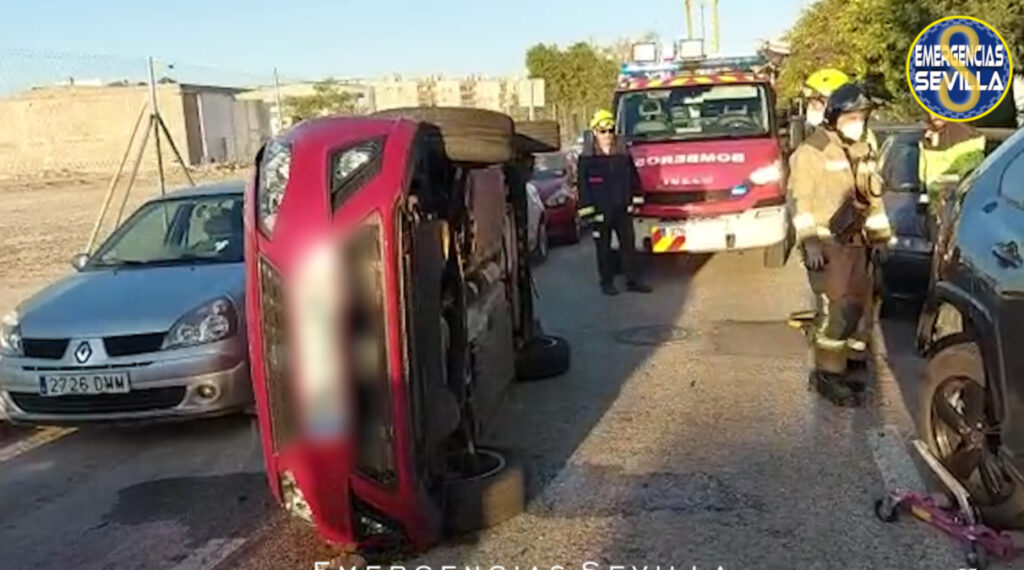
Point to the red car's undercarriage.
(391, 305)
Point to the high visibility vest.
(949, 155)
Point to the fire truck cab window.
(694, 112)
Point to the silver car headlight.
(213, 321)
(273, 181)
(10, 336)
(558, 198)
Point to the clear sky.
(348, 38)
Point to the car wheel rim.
(479, 465)
(968, 454)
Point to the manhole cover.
(653, 335)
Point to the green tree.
(872, 38)
(578, 80)
(328, 98)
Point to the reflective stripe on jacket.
(607, 183)
(831, 180)
(947, 155)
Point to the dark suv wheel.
(956, 425)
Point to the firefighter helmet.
(824, 82)
(846, 99)
(603, 119)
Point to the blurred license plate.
(83, 384)
(674, 230)
(704, 226)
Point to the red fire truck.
(704, 137)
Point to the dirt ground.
(43, 223)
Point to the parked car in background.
(972, 399)
(536, 224)
(149, 327)
(905, 271)
(551, 178)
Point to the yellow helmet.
(603, 119)
(823, 82)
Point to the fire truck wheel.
(475, 136)
(543, 357)
(487, 493)
(537, 136)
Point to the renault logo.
(83, 352)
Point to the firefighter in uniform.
(609, 190)
(948, 151)
(838, 219)
(817, 89)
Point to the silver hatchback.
(150, 327)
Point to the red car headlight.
(272, 183)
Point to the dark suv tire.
(961, 363)
(474, 136)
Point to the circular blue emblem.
(959, 68)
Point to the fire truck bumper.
(755, 228)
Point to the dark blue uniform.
(609, 187)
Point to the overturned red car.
(390, 305)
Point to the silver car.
(150, 327)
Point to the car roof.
(225, 188)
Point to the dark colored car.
(972, 400)
(551, 178)
(905, 271)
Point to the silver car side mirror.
(79, 261)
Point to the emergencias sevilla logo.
(959, 68)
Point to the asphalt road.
(683, 436)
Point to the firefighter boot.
(836, 389)
(858, 353)
(638, 287)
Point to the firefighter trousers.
(622, 224)
(843, 287)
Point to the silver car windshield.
(177, 231)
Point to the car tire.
(479, 500)
(475, 136)
(577, 231)
(534, 137)
(543, 357)
(963, 359)
(775, 256)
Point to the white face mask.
(815, 117)
(852, 131)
